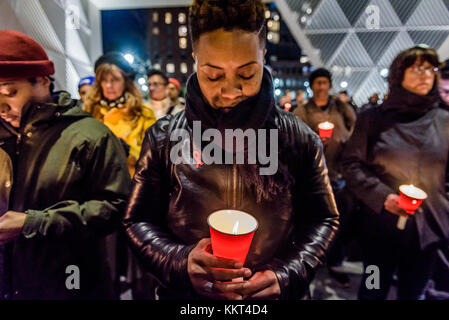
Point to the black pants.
(396, 252)
(346, 231)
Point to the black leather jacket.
(169, 205)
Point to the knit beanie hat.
(117, 59)
(318, 73)
(21, 57)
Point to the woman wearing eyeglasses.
(158, 102)
(404, 141)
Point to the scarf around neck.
(256, 112)
(403, 105)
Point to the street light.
(142, 81)
(129, 57)
(384, 73)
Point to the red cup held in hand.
(231, 233)
(410, 199)
(326, 129)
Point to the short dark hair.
(210, 15)
(157, 73)
(343, 92)
(318, 73)
(406, 59)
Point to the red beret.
(176, 83)
(21, 57)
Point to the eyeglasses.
(427, 70)
(156, 84)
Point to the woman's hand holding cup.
(207, 272)
(391, 205)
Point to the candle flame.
(326, 125)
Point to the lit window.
(155, 31)
(273, 37)
(183, 43)
(170, 68)
(182, 31)
(267, 14)
(182, 18)
(184, 68)
(168, 18)
(273, 25)
(155, 17)
(157, 66)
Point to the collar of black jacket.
(255, 112)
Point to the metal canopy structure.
(358, 39)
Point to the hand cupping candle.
(410, 199)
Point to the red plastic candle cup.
(231, 233)
(410, 199)
(287, 106)
(326, 129)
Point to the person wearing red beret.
(66, 184)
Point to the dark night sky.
(126, 31)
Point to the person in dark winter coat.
(166, 219)
(66, 184)
(320, 108)
(404, 141)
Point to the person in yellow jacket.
(116, 101)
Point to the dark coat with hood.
(68, 173)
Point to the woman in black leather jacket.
(166, 219)
(404, 141)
